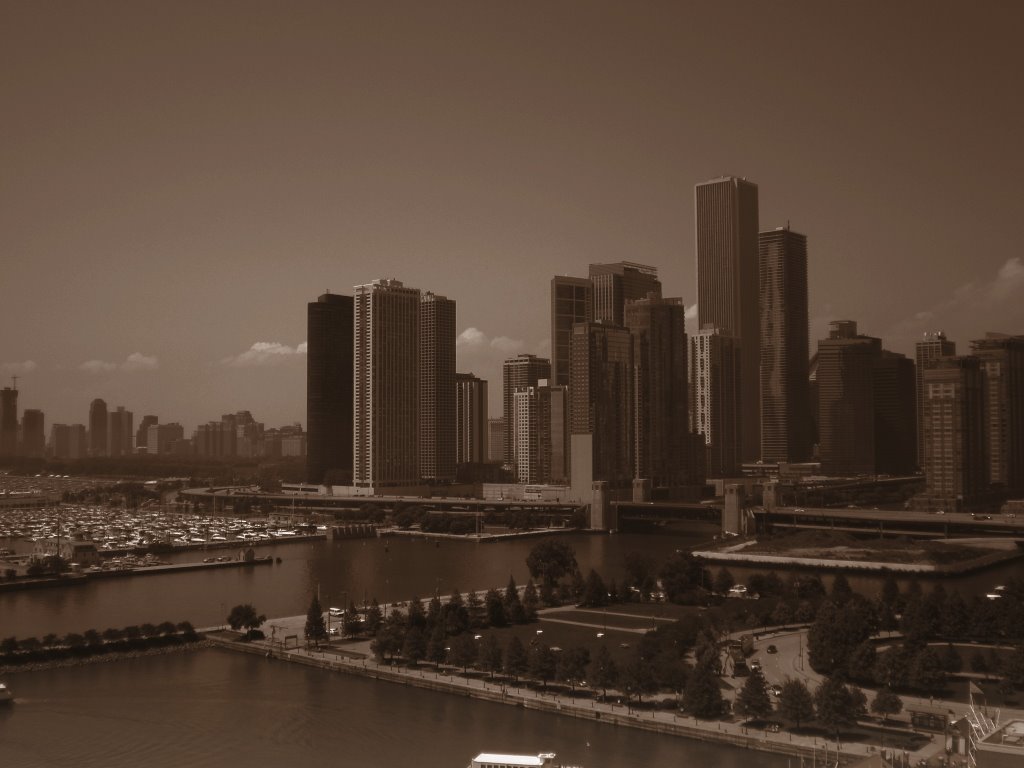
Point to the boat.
(495, 760)
(6, 697)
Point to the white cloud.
(471, 338)
(691, 312)
(23, 367)
(265, 353)
(506, 345)
(1009, 281)
(136, 361)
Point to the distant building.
(541, 434)
(470, 419)
(98, 428)
(142, 433)
(329, 383)
(437, 388)
(495, 440)
(68, 442)
(8, 421)
(661, 422)
(715, 409)
(600, 406)
(518, 372)
(726, 231)
(120, 432)
(33, 434)
(572, 301)
(934, 346)
(293, 445)
(616, 284)
(955, 457)
(161, 438)
(785, 406)
(387, 393)
(893, 394)
(1001, 358)
(846, 406)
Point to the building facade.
(470, 419)
(726, 231)
(894, 387)
(329, 382)
(33, 433)
(437, 440)
(619, 283)
(387, 387)
(572, 301)
(8, 421)
(661, 421)
(98, 428)
(142, 433)
(120, 432)
(516, 373)
(496, 440)
(933, 346)
(1001, 357)
(715, 399)
(785, 398)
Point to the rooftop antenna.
(15, 380)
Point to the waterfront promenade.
(355, 657)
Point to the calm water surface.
(216, 708)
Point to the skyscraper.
(496, 440)
(33, 434)
(660, 404)
(1001, 357)
(785, 412)
(601, 406)
(8, 421)
(98, 428)
(142, 433)
(437, 388)
(387, 393)
(120, 432)
(727, 286)
(615, 284)
(470, 419)
(541, 433)
(715, 411)
(517, 372)
(933, 346)
(572, 301)
(329, 382)
(846, 405)
(893, 388)
(955, 460)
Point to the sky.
(178, 180)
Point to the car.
(754, 664)
(332, 631)
(336, 611)
(771, 649)
(775, 690)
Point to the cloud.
(1009, 281)
(18, 369)
(471, 338)
(135, 362)
(506, 345)
(691, 312)
(265, 353)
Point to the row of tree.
(92, 641)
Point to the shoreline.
(863, 566)
(660, 721)
(99, 658)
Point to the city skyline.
(202, 249)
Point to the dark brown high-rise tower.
(572, 301)
(785, 409)
(727, 286)
(618, 283)
(437, 388)
(329, 372)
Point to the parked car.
(771, 649)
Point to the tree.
(796, 702)
(8, 645)
(150, 630)
(595, 593)
(542, 663)
(495, 609)
(475, 608)
(350, 623)
(723, 581)
(604, 674)
(841, 591)
(316, 629)
(436, 645)
(530, 601)
(489, 657)
(680, 574)
(703, 696)
(50, 640)
(640, 570)
(550, 561)
(862, 662)
(455, 614)
(74, 640)
(951, 661)
(373, 619)
(1015, 667)
(516, 661)
(753, 699)
(572, 665)
(463, 651)
(979, 663)
(165, 627)
(893, 666)
(834, 703)
(415, 617)
(390, 638)
(92, 637)
(514, 611)
(434, 611)
(638, 678)
(926, 672)
(886, 703)
(414, 648)
(242, 616)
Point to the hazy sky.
(178, 179)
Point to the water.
(217, 708)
